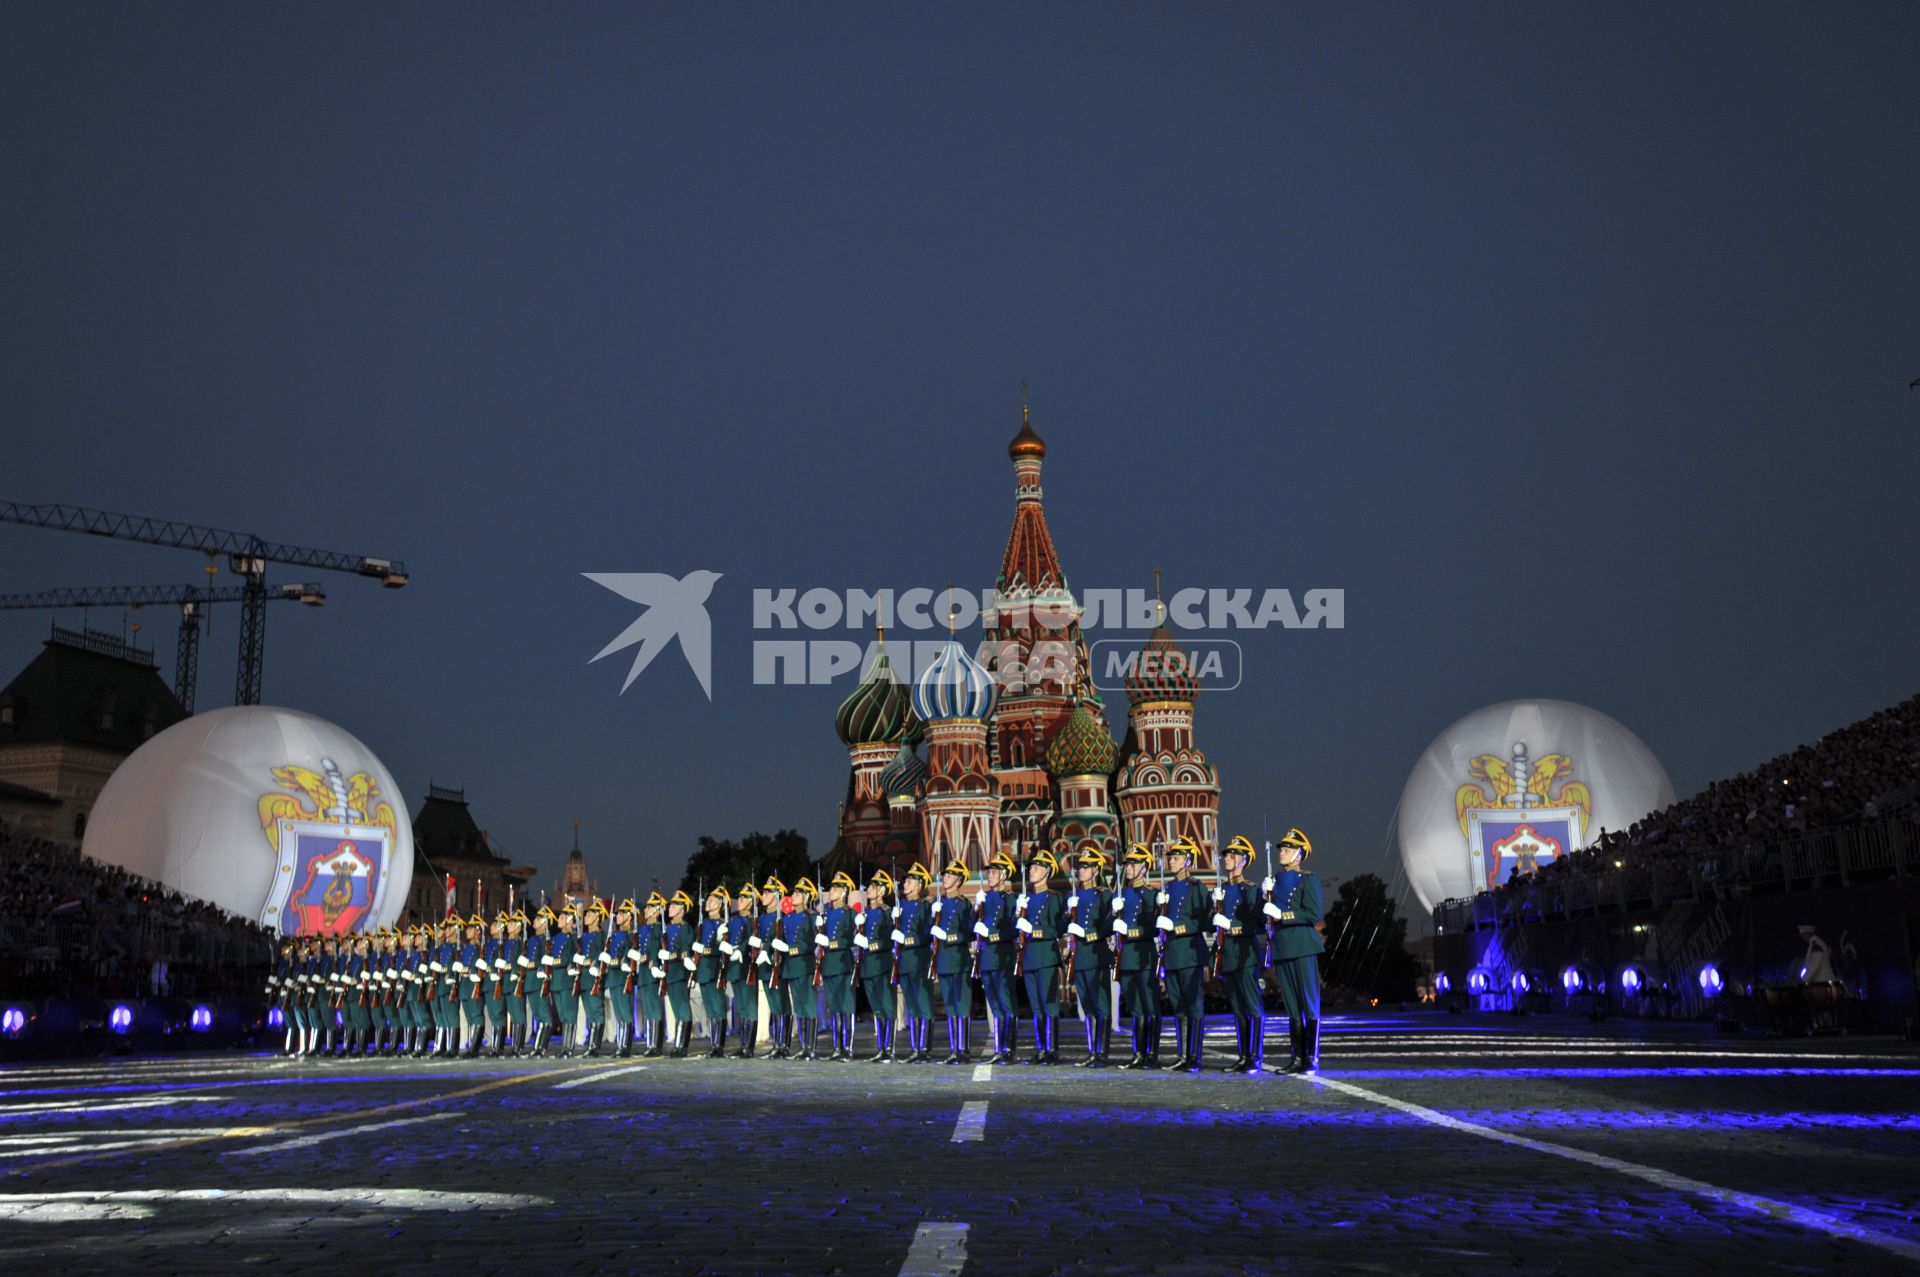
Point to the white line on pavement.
(1821, 1221)
(972, 1126)
(74, 1108)
(983, 1072)
(308, 1141)
(39, 1208)
(101, 1148)
(598, 1075)
(938, 1250)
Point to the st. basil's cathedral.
(1024, 759)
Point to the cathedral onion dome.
(1084, 746)
(1027, 443)
(902, 777)
(954, 685)
(879, 712)
(1165, 672)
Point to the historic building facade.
(1019, 753)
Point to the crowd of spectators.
(1860, 774)
(73, 927)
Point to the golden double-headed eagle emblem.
(363, 803)
(1500, 789)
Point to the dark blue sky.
(1572, 343)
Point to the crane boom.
(186, 536)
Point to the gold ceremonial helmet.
(1239, 847)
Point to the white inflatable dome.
(269, 813)
(1511, 786)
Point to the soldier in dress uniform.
(649, 973)
(1136, 916)
(1294, 907)
(439, 958)
(1238, 929)
(710, 973)
(676, 958)
(330, 1016)
(993, 930)
(514, 967)
(952, 933)
(912, 923)
(361, 978)
(767, 959)
(623, 954)
(595, 964)
(473, 986)
(407, 991)
(741, 975)
(874, 941)
(794, 945)
(279, 982)
(543, 956)
(1186, 913)
(835, 952)
(493, 993)
(564, 949)
(1089, 932)
(1041, 923)
(388, 1009)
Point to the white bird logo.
(676, 609)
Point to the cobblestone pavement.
(1430, 1144)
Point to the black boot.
(656, 1040)
(1239, 1061)
(1293, 1046)
(1310, 1046)
(1196, 1041)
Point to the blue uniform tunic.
(953, 962)
(836, 959)
(1089, 931)
(994, 934)
(876, 962)
(1187, 911)
(709, 970)
(913, 919)
(741, 976)
(1295, 911)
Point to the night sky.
(1573, 343)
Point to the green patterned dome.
(1084, 746)
(903, 776)
(880, 710)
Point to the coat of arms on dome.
(1518, 821)
(333, 836)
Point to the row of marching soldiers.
(579, 979)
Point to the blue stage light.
(1442, 983)
(13, 1022)
(1572, 980)
(1521, 982)
(202, 1019)
(276, 1018)
(1631, 979)
(1711, 981)
(120, 1019)
(1478, 981)
(339, 1019)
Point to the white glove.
(1221, 921)
(546, 960)
(1075, 929)
(1272, 910)
(764, 960)
(1165, 924)
(1219, 893)
(1119, 900)
(1024, 926)
(1266, 885)
(522, 960)
(1073, 901)
(896, 911)
(579, 960)
(782, 945)
(940, 933)
(757, 942)
(604, 958)
(822, 939)
(898, 937)
(698, 947)
(980, 929)
(459, 966)
(691, 964)
(728, 949)
(1020, 902)
(633, 955)
(861, 942)
(665, 953)
(1120, 926)
(1160, 899)
(658, 973)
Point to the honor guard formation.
(573, 982)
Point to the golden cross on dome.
(1159, 608)
(953, 608)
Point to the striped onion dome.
(1084, 746)
(879, 711)
(954, 685)
(902, 776)
(1165, 672)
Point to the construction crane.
(247, 558)
(192, 600)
